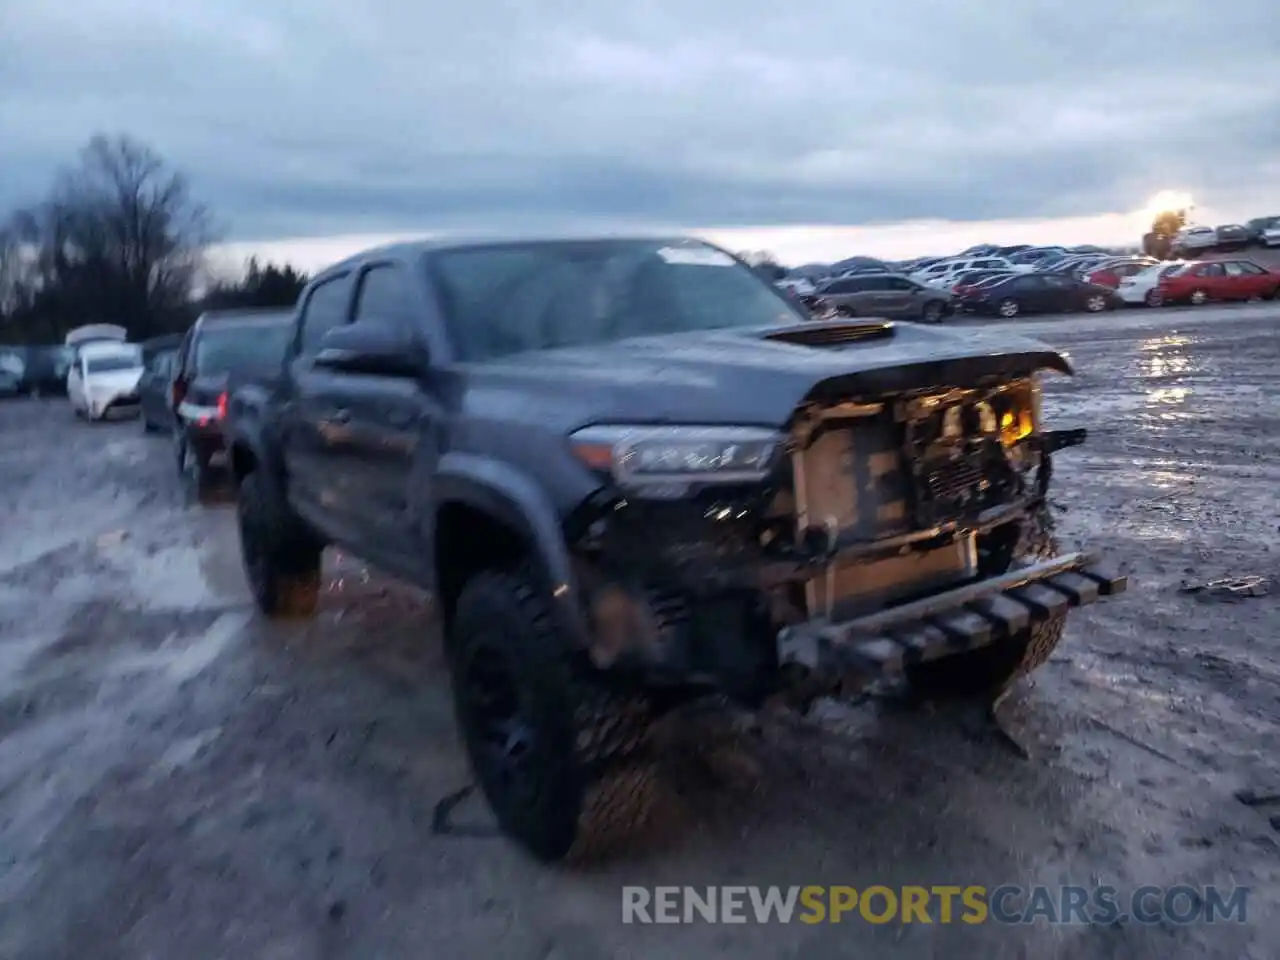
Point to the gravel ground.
(178, 779)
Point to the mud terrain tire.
(558, 754)
(281, 558)
(992, 669)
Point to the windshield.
(512, 298)
(112, 363)
(243, 346)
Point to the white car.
(944, 274)
(104, 378)
(1271, 235)
(1141, 287)
(1196, 238)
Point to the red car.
(1110, 272)
(1207, 280)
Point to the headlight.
(646, 455)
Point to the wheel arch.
(487, 514)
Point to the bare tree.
(119, 239)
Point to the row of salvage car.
(1094, 288)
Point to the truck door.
(392, 422)
(313, 435)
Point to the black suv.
(219, 346)
(634, 474)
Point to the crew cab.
(633, 473)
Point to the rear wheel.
(932, 312)
(557, 753)
(1271, 294)
(1009, 308)
(1095, 303)
(281, 558)
(1154, 298)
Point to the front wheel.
(1271, 294)
(555, 751)
(1154, 298)
(1009, 308)
(1199, 298)
(1096, 303)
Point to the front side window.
(326, 308)
(512, 298)
(386, 294)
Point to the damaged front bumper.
(954, 621)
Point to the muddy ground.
(178, 779)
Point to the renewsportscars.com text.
(942, 904)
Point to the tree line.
(120, 238)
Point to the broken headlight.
(639, 456)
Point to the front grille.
(955, 481)
(952, 488)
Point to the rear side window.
(326, 308)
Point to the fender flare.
(512, 497)
(250, 435)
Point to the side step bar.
(961, 619)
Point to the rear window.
(223, 349)
(112, 362)
(512, 298)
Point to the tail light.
(222, 405)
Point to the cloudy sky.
(815, 128)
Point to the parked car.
(1195, 239)
(1077, 266)
(47, 369)
(13, 370)
(219, 345)
(886, 295)
(155, 390)
(1039, 293)
(103, 379)
(942, 274)
(10, 383)
(1258, 225)
(1109, 273)
(1208, 280)
(1270, 233)
(1032, 257)
(967, 281)
(1143, 287)
(652, 481)
(1233, 236)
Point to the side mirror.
(374, 347)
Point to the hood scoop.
(832, 333)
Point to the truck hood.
(741, 376)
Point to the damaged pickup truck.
(633, 474)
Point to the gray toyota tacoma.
(633, 474)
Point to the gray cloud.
(387, 115)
